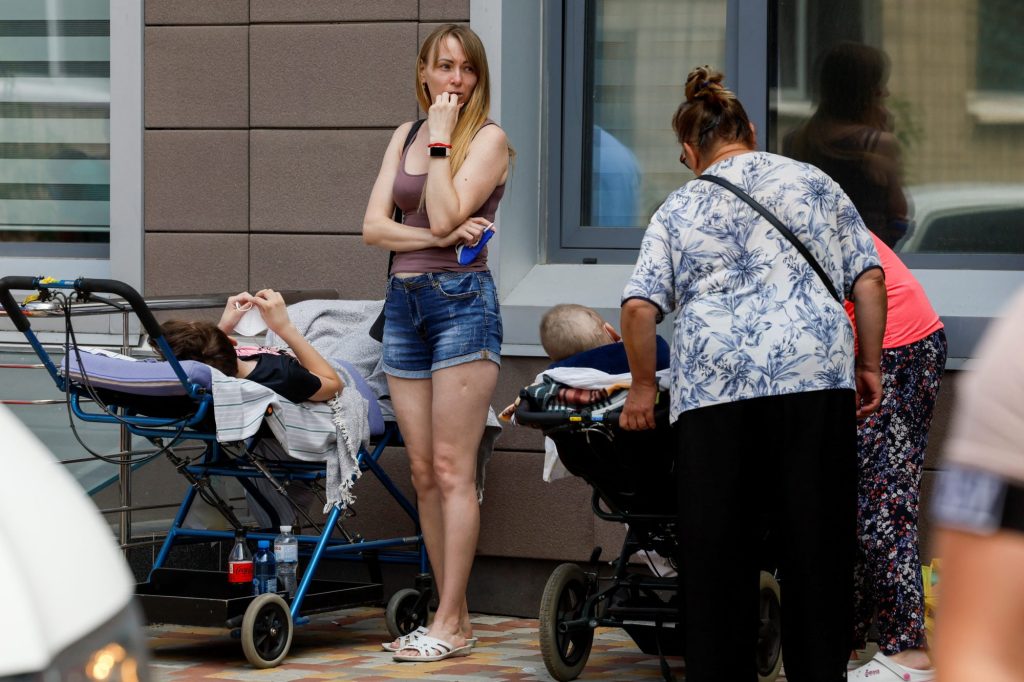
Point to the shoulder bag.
(770, 217)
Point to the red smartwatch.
(438, 150)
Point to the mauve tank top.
(407, 191)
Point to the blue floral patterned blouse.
(753, 317)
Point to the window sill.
(597, 286)
(967, 301)
(996, 108)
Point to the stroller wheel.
(406, 611)
(565, 653)
(769, 639)
(266, 631)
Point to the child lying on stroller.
(633, 477)
(301, 374)
(304, 376)
(574, 335)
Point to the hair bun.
(704, 83)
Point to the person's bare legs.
(461, 398)
(411, 399)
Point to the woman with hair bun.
(850, 137)
(765, 392)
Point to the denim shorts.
(438, 320)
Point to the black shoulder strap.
(397, 217)
(797, 244)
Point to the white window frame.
(523, 99)
(125, 261)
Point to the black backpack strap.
(770, 217)
(397, 217)
(377, 328)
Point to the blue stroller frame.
(193, 597)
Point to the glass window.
(919, 115)
(55, 128)
(1000, 46)
(625, 62)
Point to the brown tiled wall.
(265, 124)
(267, 118)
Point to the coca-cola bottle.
(240, 572)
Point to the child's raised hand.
(233, 311)
(272, 307)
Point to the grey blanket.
(340, 329)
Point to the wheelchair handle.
(83, 285)
(134, 298)
(10, 305)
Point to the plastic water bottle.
(240, 572)
(264, 569)
(286, 552)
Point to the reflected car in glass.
(976, 218)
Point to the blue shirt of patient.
(611, 358)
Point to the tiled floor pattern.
(346, 646)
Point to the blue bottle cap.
(263, 544)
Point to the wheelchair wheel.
(769, 638)
(565, 653)
(405, 613)
(266, 631)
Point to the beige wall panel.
(189, 263)
(197, 180)
(332, 75)
(516, 373)
(304, 261)
(444, 10)
(608, 536)
(197, 11)
(924, 526)
(523, 516)
(332, 10)
(941, 419)
(423, 30)
(197, 77)
(313, 180)
(378, 514)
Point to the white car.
(67, 609)
(966, 218)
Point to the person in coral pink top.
(891, 449)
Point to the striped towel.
(329, 432)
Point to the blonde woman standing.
(442, 334)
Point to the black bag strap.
(770, 217)
(397, 217)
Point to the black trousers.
(785, 465)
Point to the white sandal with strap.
(881, 668)
(429, 649)
(396, 645)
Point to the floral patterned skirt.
(891, 450)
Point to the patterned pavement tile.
(346, 646)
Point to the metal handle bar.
(83, 285)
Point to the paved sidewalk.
(345, 645)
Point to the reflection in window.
(936, 134)
(637, 55)
(1000, 46)
(55, 128)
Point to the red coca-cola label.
(239, 571)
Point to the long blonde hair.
(477, 108)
